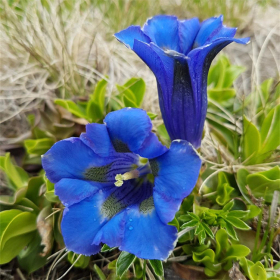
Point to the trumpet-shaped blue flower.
(179, 52)
(120, 186)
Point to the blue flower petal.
(162, 65)
(188, 30)
(176, 173)
(112, 233)
(223, 32)
(71, 191)
(163, 30)
(146, 236)
(151, 147)
(97, 138)
(80, 223)
(128, 35)
(207, 29)
(199, 63)
(129, 128)
(71, 158)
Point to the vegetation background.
(53, 53)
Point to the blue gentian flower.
(179, 52)
(120, 186)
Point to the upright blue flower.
(120, 186)
(180, 52)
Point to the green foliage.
(16, 231)
(256, 271)
(225, 218)
(124, 261)
(261, 184)
(220, 80)
(222, 257)
(78, 260)
(131, 94)
(16, 177)
(157, 267)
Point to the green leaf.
(124, 261)
(16, 175)
(222, 242)
(237, 223)
(201, 236)
(252, 142)
(241, 183)
(238, 214)
(236, 251)
(96, 105)
(16, 229)
(99, 272)
(224, 193)
(49, 194)
(162, 132)
(157, 267)
(106, 248)
(81, 263)
(253, 211)
(137, 86)
(265, 89)
(208, 230)
(151, 115)
(221, 95)
(38, 146)
(228, 206)
(205, 256)
(175, 223)
(232, 73)
(128, 97)
(191, 223)
(30, 258)
(230, 230)
(257, 272)
(72, 107)
(270, 133)
(263, 184)
(16, 198)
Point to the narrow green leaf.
(38, 146)
(72, 107)
(128, 96)
(175, 223)
(96, 105)
(208, 230)
(198, 229)
(270, 133)
(228, 206)
(230, 231)
(151, 115)
(157, 267)
(16, 175)
(106, 248)
(124, 261)
(137, 86)
(99, 272)
(237, 223)
(191, 223)
(237, 214)
(252, 141)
